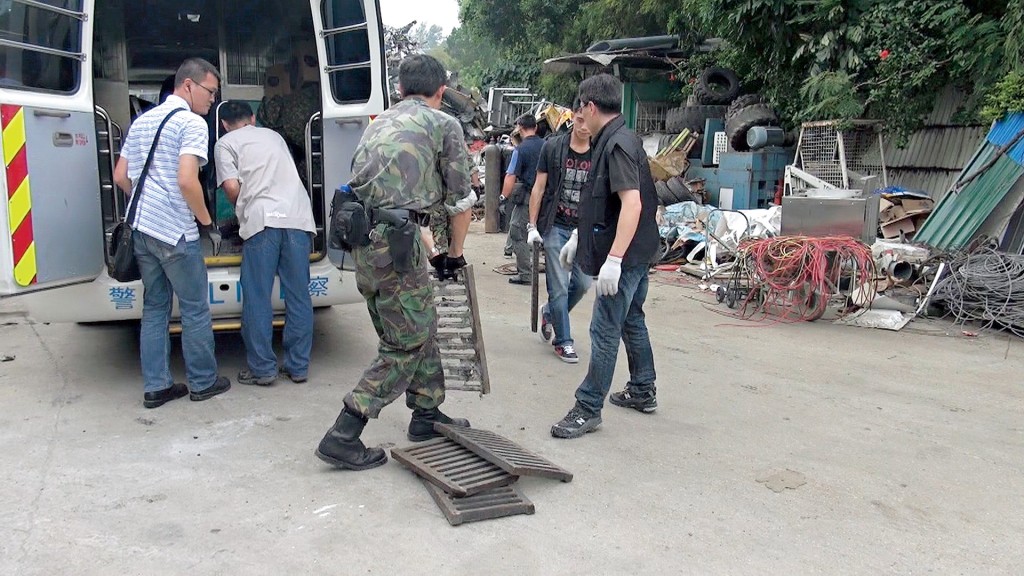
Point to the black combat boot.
(342, 447)
(421, 427)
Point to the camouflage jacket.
(413, 157)
(288, 115)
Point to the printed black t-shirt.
(576, 170)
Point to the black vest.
(600, 207)
(557, 150)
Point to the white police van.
(74, 74)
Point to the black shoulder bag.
(123, 266)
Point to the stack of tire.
(746, 112)
(713, 91)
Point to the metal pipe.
(492, 189)
(343, 30)
(42, 50)
(51, 8)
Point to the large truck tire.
(717, 86)
(691, 118)
(742, 102)
(672, 192)
(757, 115)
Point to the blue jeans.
(281, 252)
(169, 271)
(565, 288)
(615, 317)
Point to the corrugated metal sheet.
(933, 156)
(1005, 131)
(946, 106)
(957, 217)
(948, 148)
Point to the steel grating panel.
(495, 503)
(459, 334)
(452, 467)
(504, 453)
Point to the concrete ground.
(902, 453)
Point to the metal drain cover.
(504, 453)
(459, 335)
(495, 503)
(452, 467)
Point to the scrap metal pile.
(794, 278)
(984, 286)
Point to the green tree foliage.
(812, 59)
(427, 37)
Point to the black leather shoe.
(518, 280)
(223, 384)
(157, 399)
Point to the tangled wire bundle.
(793, 277)
(987, 286)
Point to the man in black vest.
(522, 172)
(554, 214)
(618, 239)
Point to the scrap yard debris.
(794, 278)
(985, 286)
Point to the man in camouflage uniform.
(438, 242)
(409, 159)
(288, 114)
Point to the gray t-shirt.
(272, 195)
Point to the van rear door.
(51, 230)
(353, 78)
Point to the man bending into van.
(166, 236)
(276, 224)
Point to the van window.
(348, 50)
(41, 44)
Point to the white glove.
(568, 253)
(608, 277)
(533, 237)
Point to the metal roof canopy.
(656, 56)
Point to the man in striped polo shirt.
(166, 236)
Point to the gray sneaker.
(296, 378)
(575, 424)
(641, 401)
(245, 376)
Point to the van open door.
(353, 80)
(51, 231)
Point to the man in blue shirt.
(519, 180)
(166, 236)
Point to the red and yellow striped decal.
(19, 197)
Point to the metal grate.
(650, 116)
(850, 158)
(503, 452)
(247, 61)
(452, 467)
(459, 335)
(496, 503)
(819, 154)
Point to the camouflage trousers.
(402, 309)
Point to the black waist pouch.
(350, 225)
